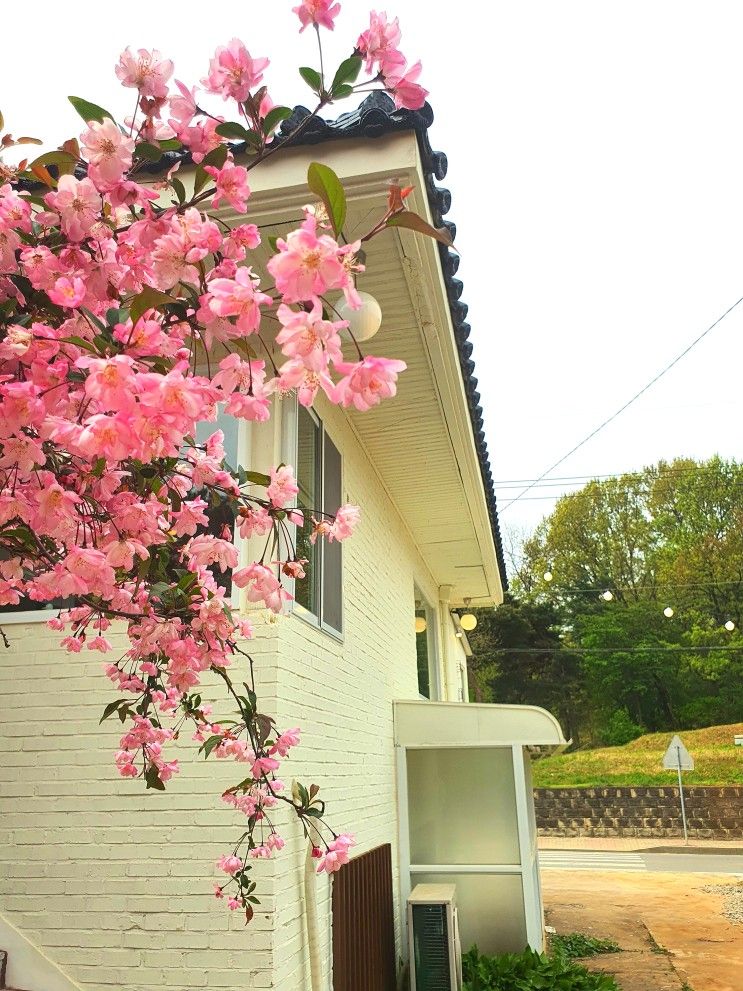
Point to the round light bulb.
(420, 624)
(607, 596)
(547, 576)
(668, 612)
(459, 634)
(730, 626)
(362, 323)
(468, 621)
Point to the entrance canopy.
(468, 724)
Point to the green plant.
(620, 729)
(569, 945)
(530, 971)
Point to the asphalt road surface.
(701, 862)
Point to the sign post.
(678, 757)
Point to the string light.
(547, 576)
(607, 596)
(668, 612)
(468, 620)
(730, 626)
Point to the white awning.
(469, 724)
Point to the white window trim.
(28, 616)
(432, 640)
(289, 442)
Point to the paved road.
(684, 863)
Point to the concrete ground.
(673, 935)
(616, 843)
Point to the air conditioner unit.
(433, 935)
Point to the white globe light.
(668, 612)
(547, 576)
(730, 626)
(468, 621)
(607, 596)
(362, 323)
(420, 624)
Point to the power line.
(603, 650)
(634, 398)
(638, 588)
(634, 473)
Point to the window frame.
(290, 447)
(432, 645)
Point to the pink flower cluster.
(128, 317)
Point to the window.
(221, 515)
(426, 648)
(318, 469)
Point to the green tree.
(519, 657)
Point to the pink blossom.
(379, 40)
(146, 71)
(321, 13)
(78, 204)
(230, 864)
(68, 292)
(288, 739)
(232, 185)
(183, 106)
(307, 266)
(337, 853)
(402, 83)
(366, 383)
(309, 338)
(261, 585)
(275, 842)
(346, 520)
(238, 297)
(108, 151)
(283, 487)
(294, 374)
(254, 522)
(205, 550)
(233, 72)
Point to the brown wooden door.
(363, 924)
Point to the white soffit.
(470, 724)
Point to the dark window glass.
(307, 589)
(421, 650)
(332, 574)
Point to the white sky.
(596, 167)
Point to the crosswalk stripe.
(577, 860)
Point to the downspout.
(444, 599)
(313, 927)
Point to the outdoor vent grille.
(431, 946)
(363, 924)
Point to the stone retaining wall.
(712, 813)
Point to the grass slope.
(717, 762)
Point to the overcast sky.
(596, 170)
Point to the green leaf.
(64, 161)
(152, 778)
(110, 709)
(311, 77)
(325, 184)
(80, 342)
(116, 315)
(347, 72)
(89, 111)
(149, 151)
(180, 189)
(208, 745)
(216, 157)
(147, 299)
(275, 117)
(410, 220)
(258, 478)
(231, 129)
(342, 92)
(170, 144)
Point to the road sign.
(738, 741)
(677, 757)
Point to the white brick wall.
(113, 882)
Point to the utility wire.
(601, 650)
(629, 402)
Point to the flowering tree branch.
(111, 288)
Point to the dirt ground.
(673, 935)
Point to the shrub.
(620, 729)
(571, 945)
(530, 971)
